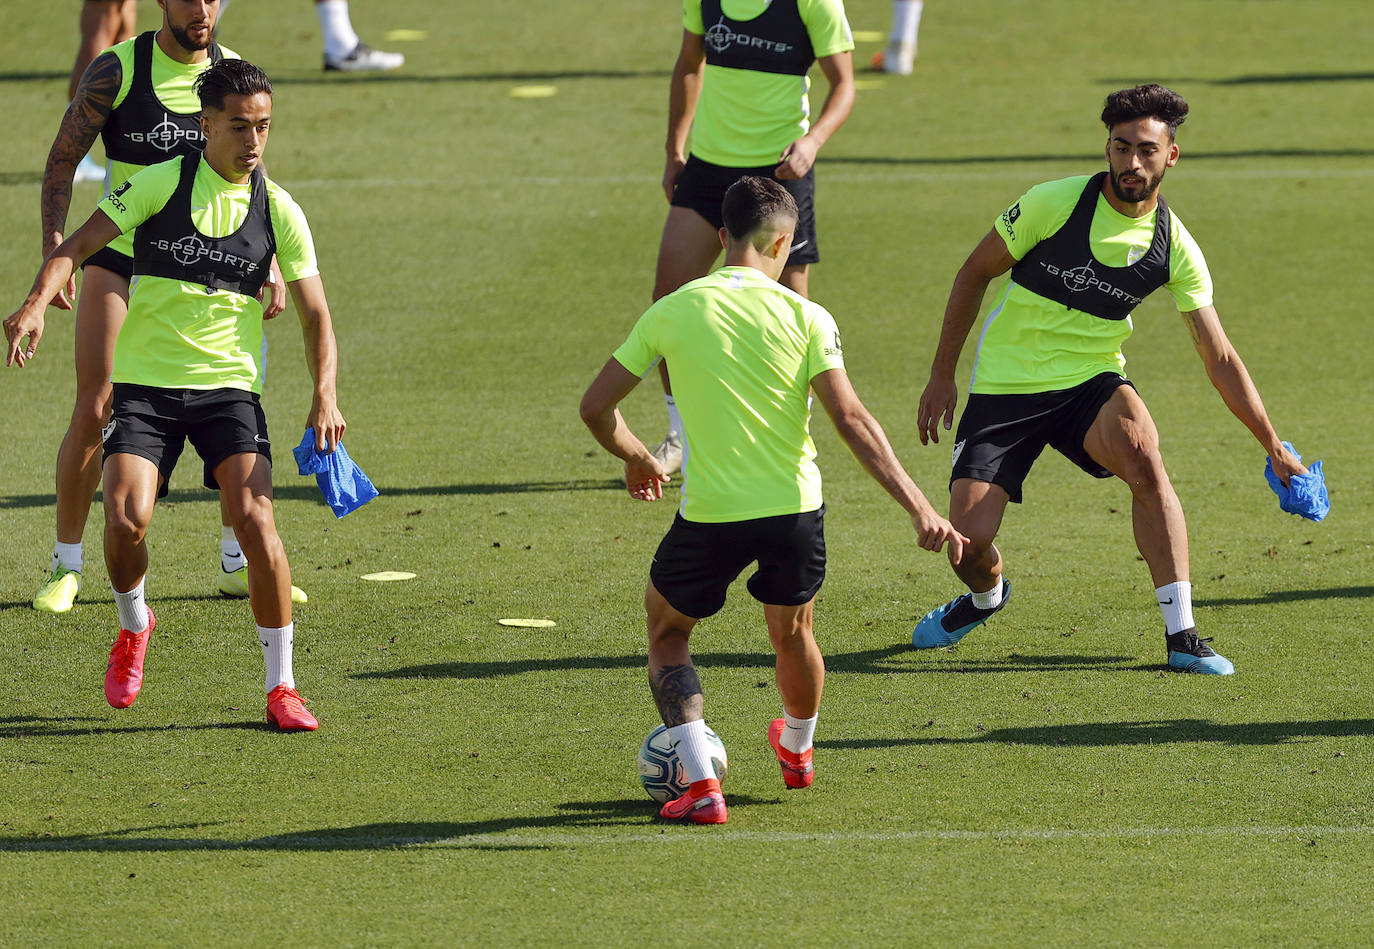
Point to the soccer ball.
(660, 769)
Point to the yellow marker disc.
(863, 36)
(528, 623)
(386, 576)
(406, 36)
(533, 92)
(868, 84)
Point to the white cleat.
(89, 170)
(364, 59)
(898, 58)
(669, 453)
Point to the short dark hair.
(752, 202)
(230, 77)
(1148, 101)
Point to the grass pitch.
(1046, 783)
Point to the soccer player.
(899, 58)
(747, 349)
(138, 98)
(740, 88)
(186, 362)
(103, 24)
(1082, 252)
(343, 51)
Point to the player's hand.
(937, 404)
(671, 172)
(276, 287)
(27, 321)
(934, 531)
(328, 424)
(644, 477)
(1285, 465)
(796, 160)
(64, 298)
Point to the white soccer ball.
(660, 768)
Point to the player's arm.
(322, 358)
(56, 271)
(1232, 380)
(84, 119)
(683, 92)
(796, 159)
(644, 477)
(989, 260)
(867, 440)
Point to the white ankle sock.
(337, 28)
(230, 553)
(798, 734)
(674, 419)
(693, 749)
(991, 599)
(1176, 603)
(906, 20)
(133, 609)
(67, 556)
(276, 653)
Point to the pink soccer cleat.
(124, 674)
(798, 771)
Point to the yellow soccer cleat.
(235, 583)
(59, 592)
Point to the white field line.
(662, 837)
(830, 174)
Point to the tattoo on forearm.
(677, 692)
(85, 118)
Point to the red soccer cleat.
(286, 710)
(798, 771)
(124, 674)
(702, 804)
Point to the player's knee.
(256, 529)
(123, 528)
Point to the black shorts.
(702, 187)
(696, 562)
(111, 260)
(154, 423)
(1000, 436)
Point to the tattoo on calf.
(677, 692)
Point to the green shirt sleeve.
(827, 26)
(823, 350)
(1190, 282)
(141, 196)
(1038, 213)
(638, 352)
(691, 17)
(295, 244)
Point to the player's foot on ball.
(669, 453)
(898, 58)
(286, 710)
(124, 674)
(798, 770)
(702, 804)
(364, 59)
(235, 583)
(58, 592)
(946, 625)
(1187, 653)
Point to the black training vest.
(141, 130)
(1062, 267)
(169, 245)
(775, 41)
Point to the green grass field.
(1047, 782)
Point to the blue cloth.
(342, 482)
(1305, 494)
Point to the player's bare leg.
(800, 678)
(975, 509)
(131, 483)
(797, 277)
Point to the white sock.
(67, 556)
(276, 653)
(337, 28)
(674, 419)
(230, 553)
(693, 749)
(798, 734)
(133, 609)
(906, 20)
(989, 600)
(1176, 603)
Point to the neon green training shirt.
(172, 84)
(743, 350)
(745, 118)
(1032, 344)
(181, 335)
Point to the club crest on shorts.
(107, 431)
(954, 455)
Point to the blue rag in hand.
(342, 482)
(1305, 494)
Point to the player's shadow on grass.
(552, 75)
(1110, 734)
(1193, 156)
(1278, 78)
(26, 726)
(1290, 596)
(504, 833)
